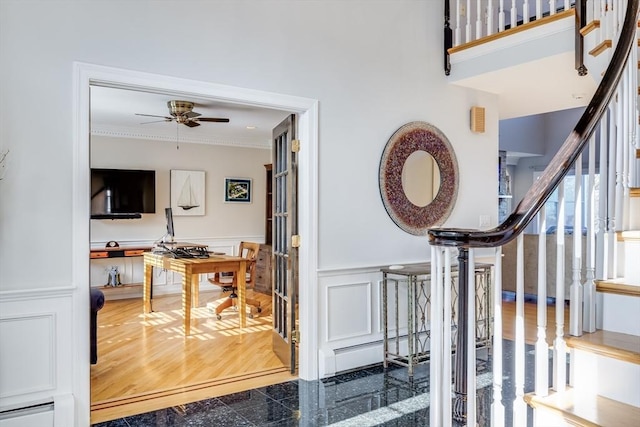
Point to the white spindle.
(519, 405)
(490, 22)
(567, 4)
(471, 341)
(478, 19)
(501, 17)
(514, 14)
(446, 341)
(601, 247)
(457, 40)
(467, 30)
(576, 292)
(542, 348)
(610, 232)
(552, 7)
(435, 346)
(497, 408)
(620, 160)
(589, 292)
(538, 9)
(559, 345)
(525, 12)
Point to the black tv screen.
(122, 193)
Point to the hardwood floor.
(145, 362)
(530, 321)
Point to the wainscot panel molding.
(348, 312)
(36, 330)
(349, 335)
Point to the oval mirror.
(414, 200)
(420, 178)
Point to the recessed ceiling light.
(578, 95)
(251, 127)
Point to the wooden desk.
(190, 269)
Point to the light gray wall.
(373, 66)
(221, 220)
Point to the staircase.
(592, 377)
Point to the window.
(569, 203)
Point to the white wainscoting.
(36, 355)
(350, 328)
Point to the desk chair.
(227, 281)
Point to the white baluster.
(457, 40)
(552, 7)
(538, 9)
(525, 12)
(514, 14)
(542, 348)
(567, 5)
(576, 292)
(446, 341)
(559, 345)
(467, 30)
(611, 199)
(519, 405)
(497, 408)
(435, 347)
(471, 340)
(501, 17)
(490, 22)
(620, 160)
(601, 247)
(478, 19)
(589, 293)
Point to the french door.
(285, 241)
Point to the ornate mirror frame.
(412, 137)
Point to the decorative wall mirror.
(418, 177)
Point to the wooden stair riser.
(621, 313)
(605, 376)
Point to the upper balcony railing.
(474, 21)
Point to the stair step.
(589, 411)
(616, 345)
(606, 44)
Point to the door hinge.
(295, 336)
(295, 241)
(295, 145)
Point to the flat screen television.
(122, 193)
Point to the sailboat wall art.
(187, 192)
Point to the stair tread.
(585, 410)
(617, 345)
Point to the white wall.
(373, 66)
(221, 220)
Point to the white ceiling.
(113, 113)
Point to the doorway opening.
(88, 75)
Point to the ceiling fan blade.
(156, 121)
(191, 114)
(191, 123)
(213, 119)
(152, 115)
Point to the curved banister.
(540, 191)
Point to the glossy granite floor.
(371, 396)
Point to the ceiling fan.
(182, 112)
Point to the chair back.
(249, 250)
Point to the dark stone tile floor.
(372, 396)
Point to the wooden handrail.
(561, 163)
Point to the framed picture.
(237, 190)
(187, 192)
